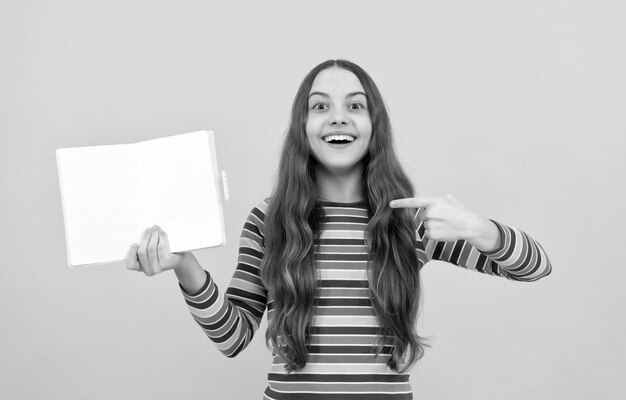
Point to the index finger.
(412, 202)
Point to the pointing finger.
(412, 202)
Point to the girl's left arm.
(448, 231)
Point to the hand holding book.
(152, 255)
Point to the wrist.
(484, 234)
(187, 262)
(190, 274)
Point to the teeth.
(339, 137)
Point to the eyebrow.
(351, 94)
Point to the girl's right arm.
(190, 274)
(229, 318)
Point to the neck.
(340, 187)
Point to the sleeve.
(518, 258)
(230, 319)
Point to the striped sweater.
(341, 364)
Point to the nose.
(338, 118)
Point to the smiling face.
(338, 125)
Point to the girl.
(335, 253)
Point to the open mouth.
(339, 138)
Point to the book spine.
(217, 179)
(59, 159)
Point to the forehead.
(336, 81)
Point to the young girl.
(335, 253)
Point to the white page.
(179, 189)
(101, 202)
(108, 199)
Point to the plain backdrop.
(515, 108)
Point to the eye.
(357, 106)
(319, 106)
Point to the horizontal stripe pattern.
(518, 258)
(343, 363)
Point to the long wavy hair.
(292, 225)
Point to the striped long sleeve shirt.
(342, 363)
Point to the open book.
(111, 194)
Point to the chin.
(341, 168)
